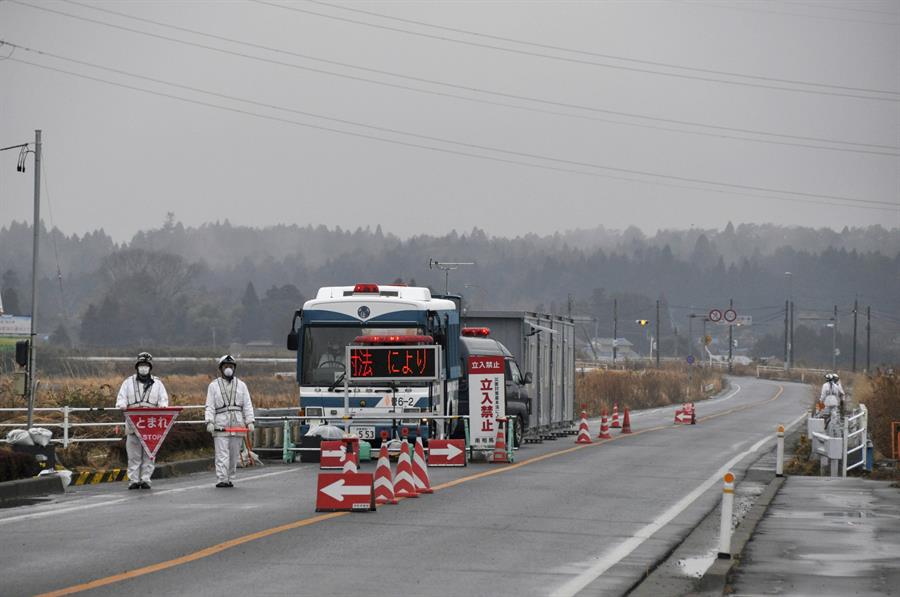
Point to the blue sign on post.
(690, 359)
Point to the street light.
(36, 225)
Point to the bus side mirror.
(527, 379)
(293, 340)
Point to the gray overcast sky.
(120, 159)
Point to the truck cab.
(477, 342)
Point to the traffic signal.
(22, 353)
(642, 322)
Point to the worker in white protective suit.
(832, 399)
(141, 390)
(229, 416)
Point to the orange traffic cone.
(615, 417)
(384, 485)
(404, 485)
(626, 422)
(604, 427)
(500, 452)
(420, 469)
(584, 434)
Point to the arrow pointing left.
(338, 490)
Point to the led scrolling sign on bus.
(385, 363)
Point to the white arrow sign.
(342, 453)
(450, 452)
(338, 490)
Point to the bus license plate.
(363, 432)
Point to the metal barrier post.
(779, 453)
(727, 507)
(287, 454)
(846, 442)
(509, 445)
(468, 441)
(66, 426)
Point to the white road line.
(623, 550)
(91, 506)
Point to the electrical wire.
(59, 276)
(893, 149)
(578, 60)
(795, 195)
(577, 51)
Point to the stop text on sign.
(389, 363)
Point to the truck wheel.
(517, 431)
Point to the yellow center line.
(225, 545)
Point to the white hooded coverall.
(228, 405)
(133, 394)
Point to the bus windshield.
(324, 350)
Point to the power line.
(579, 60)
(585, 52)
(816, 199)
(753, 8)
(473, 89)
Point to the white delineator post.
(727, 507)
(779, 453)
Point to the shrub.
(15, 465)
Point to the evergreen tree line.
(179, 286)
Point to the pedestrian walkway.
(823, 536)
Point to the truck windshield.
(324, 349)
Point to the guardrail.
(69, 427)
(782, 373)
(855, 438)
(839, 444)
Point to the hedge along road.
(535, 527)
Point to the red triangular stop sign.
(152, 425)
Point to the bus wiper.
(336, 382)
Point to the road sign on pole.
(730, 315)
(715, 315)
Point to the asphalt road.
(562, 520)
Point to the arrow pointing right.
(335, 453)
(450, 452)
(338, 490)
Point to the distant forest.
(219, 283)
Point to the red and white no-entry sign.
(337, 492)
(446, 452)
(152, 425)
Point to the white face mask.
(228, 371)
(143, 370)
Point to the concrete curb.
(716, 578)
(31, 487)
(182, 467)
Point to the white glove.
(250, 427)
(211, 427)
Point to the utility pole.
(657, 333)
(791, 358)
(615, 329)
(447, 267)
(855, 309)
(786, 334)
(834, 340)
(32, 361)
(868, 338)
(730, 337)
